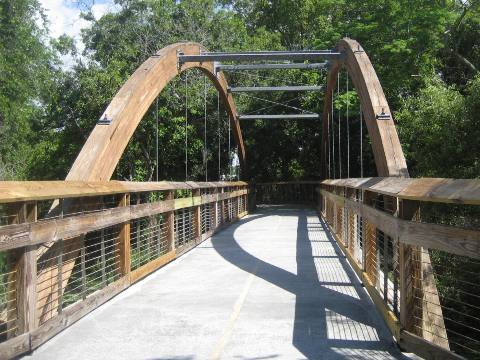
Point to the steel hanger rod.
(221, 67)
(275, 88)
(260, 55)
(278, 117)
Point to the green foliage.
(439, 130)
(47, 113)
(25, 76)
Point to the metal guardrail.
(67, 247)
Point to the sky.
(64, 16)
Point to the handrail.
(15, 191)
(459, 191)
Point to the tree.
(26, 65)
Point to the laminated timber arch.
(387, 151)
(389, 161)
(104, 147)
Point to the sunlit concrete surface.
(272, 286)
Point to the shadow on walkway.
(334, 316)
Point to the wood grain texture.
(464, 242)
(387, 151)
(124, 241)
(26, 234)
(105, 145)
(417, 345)
(449, 191)
(151, 266)
(14, 347)
(17, 191)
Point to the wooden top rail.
(458, 191)
(16, 191)
(451, 239)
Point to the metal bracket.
(359, 50)
(180, 62)
(383, 115)
(104, 121)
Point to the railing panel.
(421, 269)
(80, 267)
(149, 240)
(64, 253)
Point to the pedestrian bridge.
(274, 285)
(346, 267)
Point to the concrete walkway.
(272, 286)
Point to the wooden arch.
(387, 151)
(104, 147)
(389, 161)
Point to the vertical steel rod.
(219, 133)
(102, 257)
(361, 142)
(156, 136)
(84, 272)
(385, 268)
(339, 130)
(60, 278)
(186, 126)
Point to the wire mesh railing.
(65, 254)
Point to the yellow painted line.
(234, 316)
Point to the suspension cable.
(156, 137)
(229, 151)
(348, 133)
(328, 141)
(219, 132)
(361, 141)
(339, 130)
(186, 126)
(333, 138)
(205, 158)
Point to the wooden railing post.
(124, 241)
(170, 221)
(26, 284)
(369, 234)
(419, 312)
(222, 207)
(213, 211)
(197, 217)
(407, 210)
(22, 281)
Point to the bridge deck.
(272, 286)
